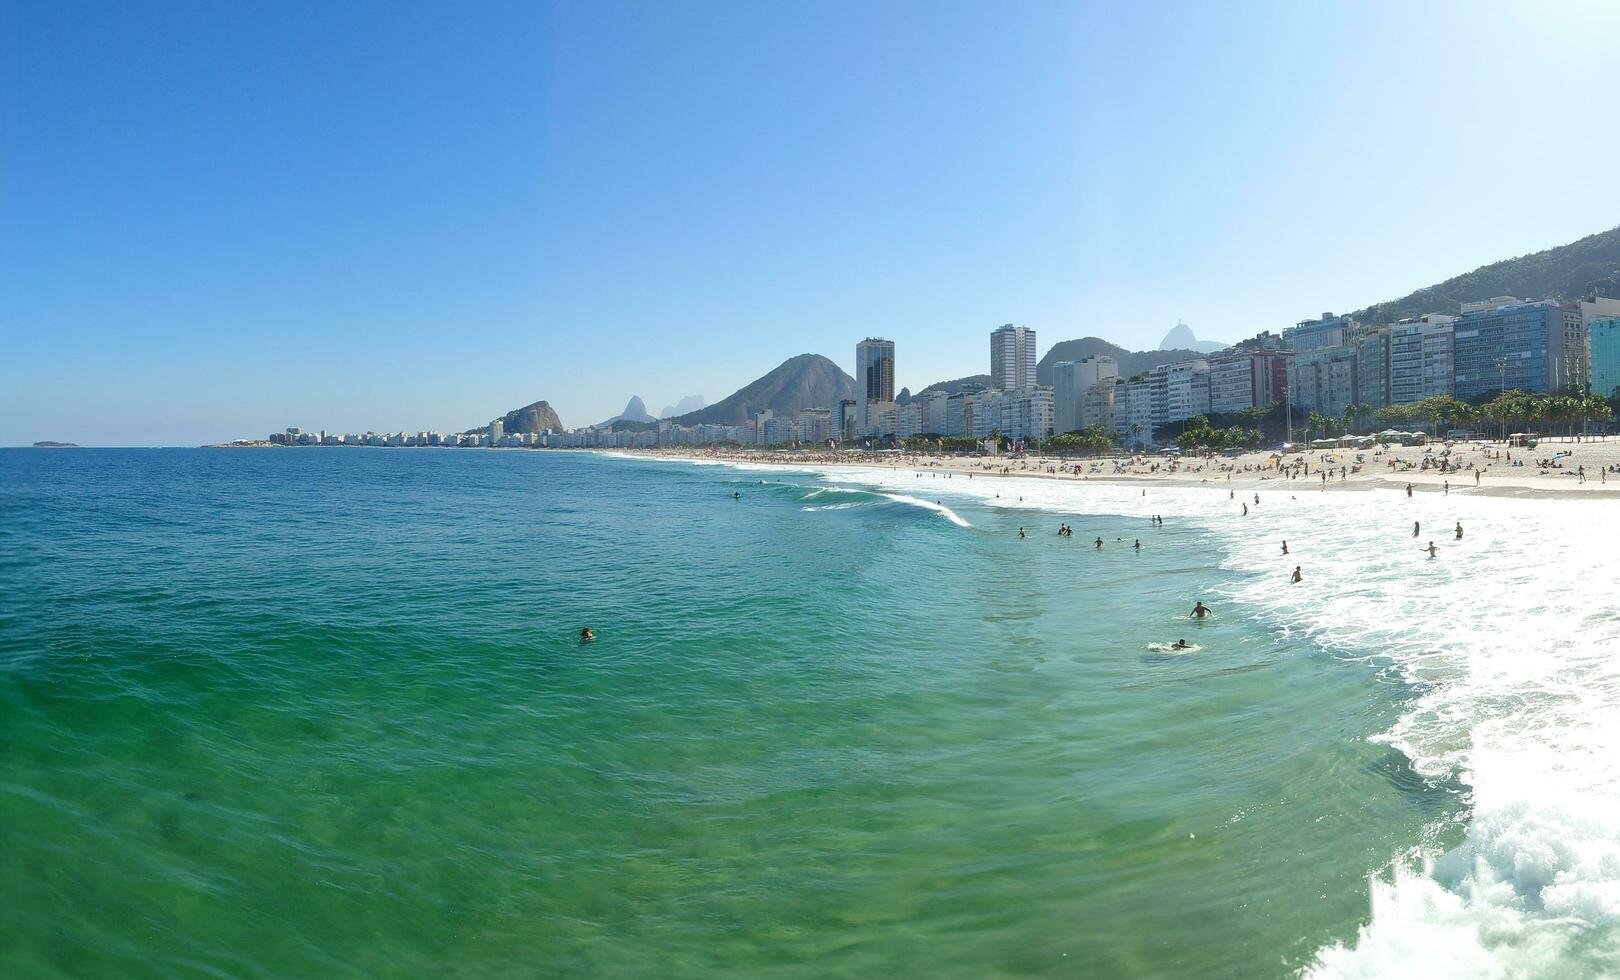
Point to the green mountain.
(1566, 272)
(806, 381)
(972, 381)
(1130, 362)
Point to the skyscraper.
(874, 369)
(1604, 364)
(1071, 381)
(1012, 358)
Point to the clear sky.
(222, 219)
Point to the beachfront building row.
(1493, 345)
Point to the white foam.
(1510, 640)
(938, 508)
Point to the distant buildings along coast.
(1330, 365)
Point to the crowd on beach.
(1491, 466)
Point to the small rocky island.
(47, 444)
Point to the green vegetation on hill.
(1566, 272)
(1130, 362)
(805, 381)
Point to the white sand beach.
(1554, 467)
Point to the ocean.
(300, 713)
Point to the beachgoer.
(1099, 544)
(1415, 527)
(1021, 533)
(586, 635)
(1199, 610)
(1138, 545)
(1459, 531)
(1285, 547)
(1431, 549)
(1297, 577)
(1245, 510)
(1180, 645)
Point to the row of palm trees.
(1510, 409)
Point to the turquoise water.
(293, 713)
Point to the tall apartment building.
(874, 369)
(1097, 406)
(1269, 375)
(1511, 346)
(1323, 375)
(1027, 413)
(1231, 381)
(848, 419)
(1012, 358)
(1420, 361)
(815, 424)
(1179, 390)
(1133, 412)
(1071, 380)
(1372, 367)
(1603, 349)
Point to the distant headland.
(48, 444)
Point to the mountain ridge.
(1562, 272)
(635, 410)
(803, 381)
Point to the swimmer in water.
(1181, 645)
(1459, 531)
(1138, 544)
(736, 495)
(586, 635)
(1099, 544)
(1431, 549)
(1200, 610)
(1297, 577)
(1021, 533)
(1415, 527)
(1285, 547)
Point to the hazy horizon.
(393, 217)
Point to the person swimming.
(1099, 544)
(737, 495)
(1138, 544)
(1200, 610)
(1285, 547)
(1021, 533)
(1431, 549)
(1181, 645)
(586, 635)
(1297, 577)
(1459, 531)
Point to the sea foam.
(1510, 643)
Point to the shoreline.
(1248, 470)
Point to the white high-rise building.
(1420, 364)
(1133, 412)
(1180, 390)
(1231, 381)
(1012, 358)
(1071, 380)
(497, 429)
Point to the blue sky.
(216, 220)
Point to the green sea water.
(323, 713)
